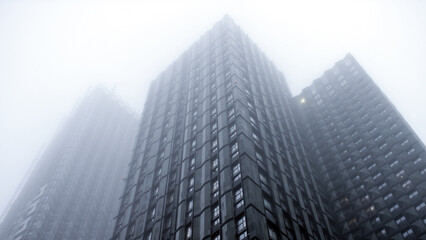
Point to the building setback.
(73, 191)
(372, 164)
(218, 154)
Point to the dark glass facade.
(219, 154)
(73, 191)
(372, 164)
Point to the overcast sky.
(52, 51)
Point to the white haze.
(52, 51)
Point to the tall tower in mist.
(218, 154)
(372, 164)
(74, 190)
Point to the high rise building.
(372, 164)
(73, 191)
(219, 154)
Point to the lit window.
(370, 209)
(406, 184)
(232, 129)
(241, 223)
(383, 146)
(413, 194)
(394, 207)
(400, 174)
(253, 122)
(420, 206)
(188, 232)
(417, 160)
(400, 220)
(216, 185)
(366, 158)
(388, 196)
(234, 147)
(215, 165)
(192, 163)
(407, 233)
(242, 235)
(216, 211)
(239, 194)
(388, 154)
(378, 138)
(376, 176)
(236, 172)
(217, 237)
(394, 163)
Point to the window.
(255, 137)
(236, 172)
(394, 207)
(267, 204)
(400, 174)
(190, 208)
(241, 223)
(388, 154)
(233, 129)
(378, 138)
(413, 194)
(406, 184)
(400, 220)
(382, 186)
(216, 237)
(234, 147)
(214, 145)
(239, 197)
(383, 146)
(387, 196)
(371, 166)
(405, 142)
(362, 149)
(376, 176)
(214, 128)
(191, 184)
(417, 160)
(393, 163)
(399, 134)
(411, 151)
(420, 206)
(231, 113)
(192, 163)
(407, 233)
(239, 194)
(272, 234)
(242, 235)
(188, 232)
(252, 121)
(215, 165)
(366, 158)
(216, 212)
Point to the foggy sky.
(52, 51)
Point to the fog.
(51, 52)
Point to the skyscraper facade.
(372, 164)
(73, 191)
(219, 154)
